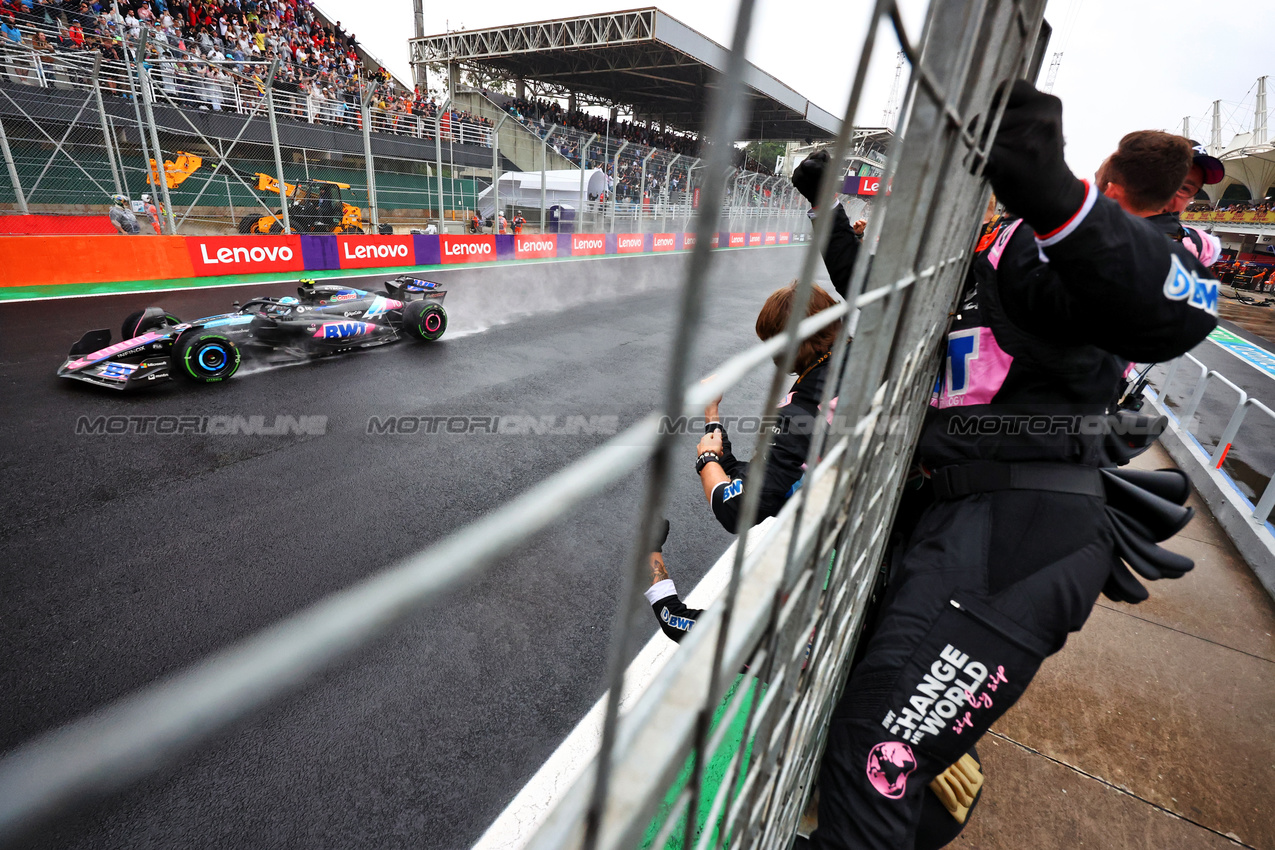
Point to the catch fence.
(792, 608)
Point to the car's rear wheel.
(424, 320)
(206, 356)
(145, 320)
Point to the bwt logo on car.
(341, 330)
(256, 254)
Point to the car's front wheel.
(424, 320)
(206, 356)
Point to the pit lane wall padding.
(65, 260)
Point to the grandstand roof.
(641, 58)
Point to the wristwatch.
(705, 459)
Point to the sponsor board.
(664, 242)
(770, 239)
(784, 238)
(535, 247)
(695, 198)
(754, 239)
(467, 249)
(688, 241)
(367, 252)
(869, 185)
(588, 244)
(737, 240)
(214, 255)
(716, 242)
(629, 243)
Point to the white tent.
(522, 188)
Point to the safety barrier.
(1247, 523)
(107, 259)
(793, 586)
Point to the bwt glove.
(1026, 164)
(806, 176)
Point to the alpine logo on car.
(586, 245)
(341, 330)
(467, 249)
(629, 243)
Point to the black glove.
(806, 176)
(1026, 164)
(661, 532)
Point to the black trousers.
(988, 587)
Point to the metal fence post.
(544, 156)
(495, 174)
(132, 63)
(144, 83)
(438, 159)
(615, 183)
(584, 157)
(13, 170)
(274, 144)
(668, 192)
(101, 115)
(365, 104)
(642, 189)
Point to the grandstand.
(1240, 210)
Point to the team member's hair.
(774, 316)
(1150, 165)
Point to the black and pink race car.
(322, 319)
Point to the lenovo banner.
(688, 241)
(664, 242)
(695, 198)
(770, 239)
(783, 238)
(869, 185)
(535, 247)
(371, 252)
(213, 255)
(467, 249)
(717, 241)
(588, 244)
(737, 240)
(754, 239)
(629, 243)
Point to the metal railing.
(811, 575)
(1226, 441)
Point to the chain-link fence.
(198, 146)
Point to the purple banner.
(504, 246)
(427, 252)
(320, 252)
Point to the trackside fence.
(915, 255)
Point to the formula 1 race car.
(321, 320)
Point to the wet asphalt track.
(125, 558)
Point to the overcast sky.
(1128, 65)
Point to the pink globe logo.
(889, 765)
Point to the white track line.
(524, 814)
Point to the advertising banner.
(770, 239)
(754, 240)
(215, 255)
(695, 198)
(535, 247)
(588, 244)
(784, 238)
(738, 240)
(371, 252)
(717, 241)
(629, 243)
(869, 185)
(664, 242)
(467, 249)
(686, 241)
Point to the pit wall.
(46, 266)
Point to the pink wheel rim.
(433, 322)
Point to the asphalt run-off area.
(132, 555)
